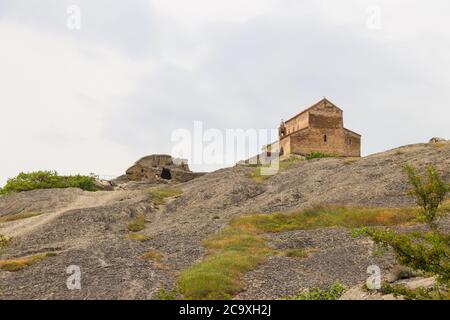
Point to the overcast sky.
(99, 98)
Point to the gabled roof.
(313, 106)
(352, 132)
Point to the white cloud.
(56, 92)
(198, 13)
(97, 99)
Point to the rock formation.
(155, 168)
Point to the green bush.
(318, 155)
(427, 251)
(334, 293)
(429, 193)
(47, 180)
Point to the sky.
(90, 86)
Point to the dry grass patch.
(323, 217)
(19, 216)
(3, 241)
(232, 252)
(241, 246)
(351, 160)
(138, 237)
(159, 195)
(17, 264)
(152, 255)
(137, 224)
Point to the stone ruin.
(158, 167)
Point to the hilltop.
(92, 230)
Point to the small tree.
(425, 251)
(429, 194)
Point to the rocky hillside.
(91, 230)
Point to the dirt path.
(84, 201)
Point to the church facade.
(319, 128)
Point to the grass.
(18, 264)
(152, 255)
(159, 195)
(232, 252)
(164, 294)
(138, 237)
(334, 293)
(318, 155)
(241, 246)
(19, 216)
(322, 217)
(137, 224)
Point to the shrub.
(424, 251)
(429, 194)
(413, 294)
(47, 180)
(318, 155)
(334, 293)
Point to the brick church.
(320, 128)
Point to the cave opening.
(165, 174)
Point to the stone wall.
(297, 123)
(337, 142)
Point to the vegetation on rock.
(137, 224)
(426, 251)
(240, 247)
(47, 180)
(138, 237)
(3, 241)
(19, 216)
(21, 263)
(334, 293)
(159, 195)
(318, 155)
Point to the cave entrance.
(165, 174)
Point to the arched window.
(349, 141)
(325, 138)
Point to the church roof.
(313, 106)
